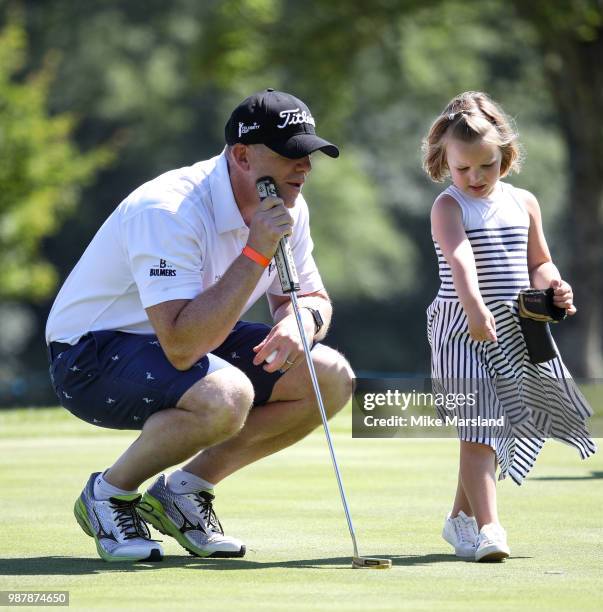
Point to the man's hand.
(563, 296)
(268, 225)
(285, 340)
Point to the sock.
(180, 482)
(104, 490)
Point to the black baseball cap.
(278, 120)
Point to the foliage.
(165, 75)
(41, 170)
(358, 251)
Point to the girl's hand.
(482, 325)
(563, 296)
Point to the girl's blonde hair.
(468, 117)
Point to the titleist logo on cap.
(243, 129)
(293, 117)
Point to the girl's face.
(474, 166)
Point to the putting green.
(287, 509)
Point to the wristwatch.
(318, 321)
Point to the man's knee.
(335, 377)
(221, 400)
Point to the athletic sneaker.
(492, 543)
(190, 519)
(118, 531)
(461, 532)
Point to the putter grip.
(283, 257)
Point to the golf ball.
(271, 357)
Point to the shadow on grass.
(69, 566)
(593, 476)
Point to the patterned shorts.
(118, 380)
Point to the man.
(145, 334)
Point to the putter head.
(371, 563)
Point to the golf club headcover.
(537, 304)
(536, 311)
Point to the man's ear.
(239, 154)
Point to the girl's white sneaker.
(492, 543)
(461, 532)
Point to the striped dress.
(531, 402)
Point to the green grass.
(288, 511)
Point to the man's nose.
(304, 164)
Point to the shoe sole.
(156, 516)
(81, 516)
(457, 551)
(492, 556)
(461, 555)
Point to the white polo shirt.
(170, 239)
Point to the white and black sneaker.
(190, 519)
(461, 532)
(120, 534)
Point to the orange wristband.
(255, 256)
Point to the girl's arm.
(447, 229)
(543, 272)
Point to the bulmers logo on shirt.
(163, 269)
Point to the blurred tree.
(41, 170)
(167, 74)
(170, 83)
(359, 250)
(376, 75)
(362, 64)
(570, 38)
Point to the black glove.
(536, 311)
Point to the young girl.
(490, 244)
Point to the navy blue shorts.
(118, 380)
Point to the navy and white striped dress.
(537, 401)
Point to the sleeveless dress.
(529, 402)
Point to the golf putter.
(290, 284)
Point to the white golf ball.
(271, 357)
